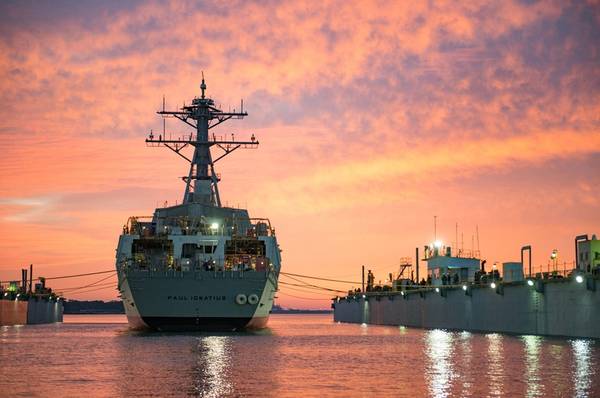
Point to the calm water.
(300, 355)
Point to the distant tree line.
(93, 307)
(280, 310)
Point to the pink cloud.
(358, 105)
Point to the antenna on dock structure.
(456, 238)
(477, 232)
(201, 183)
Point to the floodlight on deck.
(438, 244)
(214, 226)
(493, 285)
(579, 279)
(464, 287)
(529, 282)
(437, 289)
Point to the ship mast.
(201, 183)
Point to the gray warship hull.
(203, 300)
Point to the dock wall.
(13, 312)
(44, 312)
(18, 312)
(564, 308)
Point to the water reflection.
(438, 347)
(213, 366)
(582, 372)
(466, 356)
(301, 356)
(495, 366)
(532, 358)
(14, 331)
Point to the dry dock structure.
(460, 295)
(25, 304)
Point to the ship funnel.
(24, 280)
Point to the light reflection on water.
(583, 373)
(532, 358)
(466, 355)
(495, 364)
(439, 352)
(299, 355)
(214, 362)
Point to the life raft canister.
(252, 299)
(241, 299)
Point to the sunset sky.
(373, 118)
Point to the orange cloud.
(349, 183)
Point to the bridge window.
(188, 250)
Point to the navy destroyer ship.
(198, 265)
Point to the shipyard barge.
(198, 265)
(25, 303)
(460, 295)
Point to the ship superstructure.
(198, 265)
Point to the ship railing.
(261, 227)
(217, 265)
(431, 252)
(138, 225)
(554, 269)
(149, 226)
(545, 277)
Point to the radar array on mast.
(202, 115)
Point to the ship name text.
(196, 298)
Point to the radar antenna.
(201, 183)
